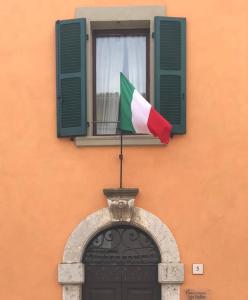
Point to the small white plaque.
(198, 269)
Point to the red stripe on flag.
(159, 126)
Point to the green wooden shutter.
(71, 77)
(170, 76)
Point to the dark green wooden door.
(126, 282)
(121, 263)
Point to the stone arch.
(71, 270)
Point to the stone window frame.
(170, 270)
(111, 18)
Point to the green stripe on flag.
(126, 92)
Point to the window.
(115, 51)
(85, 100)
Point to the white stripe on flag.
(140, 113)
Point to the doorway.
(121, 263)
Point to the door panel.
(139, 292)
(100, 291)
(140, 274)
(121, 283)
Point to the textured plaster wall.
(198, 185)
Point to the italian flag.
(138, 116)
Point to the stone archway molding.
(170, 270)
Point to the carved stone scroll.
(121, 203)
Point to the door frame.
(170, 270)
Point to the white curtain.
(115, 55)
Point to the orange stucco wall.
(198, 185)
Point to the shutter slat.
(71, 77)
(170, 66)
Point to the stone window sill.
(137, 140)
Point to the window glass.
(115, 54)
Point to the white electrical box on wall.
(197, 269)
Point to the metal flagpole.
(121, 159)
(121, 146)
(125, 66)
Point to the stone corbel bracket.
(121, 203)
(71, 273)
(171, 273)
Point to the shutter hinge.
(153, 35)
(87, 37)
(88, 124)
